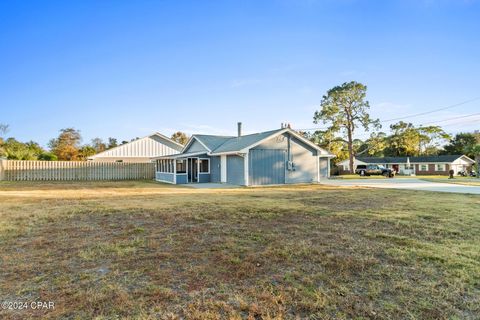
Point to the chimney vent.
(239, 127)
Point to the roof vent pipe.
(239, 127)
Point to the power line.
(432, 111)
(414, 115)
(460, 117)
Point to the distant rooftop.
(439, 158)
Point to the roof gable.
(228, 144)
(213, 142)
(155, 144)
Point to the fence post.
(2, 169)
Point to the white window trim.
(444, 167)
(165, 166)
(186, 167)
(199, 165)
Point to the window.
(204, 165)
(165, 166)
(424, 167)
(182, 166)
(440, 167)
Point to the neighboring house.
(273, 157)
(425, 165)
(140, 150)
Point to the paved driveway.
(405, 183)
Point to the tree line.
(344, 109)
(66, 147)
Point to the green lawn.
(142, 250)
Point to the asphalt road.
(405, 183)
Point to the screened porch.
(183, 168)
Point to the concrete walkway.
(405, 183)
(209, 185)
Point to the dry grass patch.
(457, 180)
(151, 251)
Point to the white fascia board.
(190, 142)
(299, 137)
(467, 159)
(165, 138)
(330, 156)
(180, 155)
(228, 153)
(246, 149)
(187, 144)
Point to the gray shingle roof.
(219, 144)
(212, 142)
(232, 144)
(236, 144)
(441, 158)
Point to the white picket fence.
(20, 170)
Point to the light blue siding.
(215, 169)
(164, 177)
(304, 160)
(181, 178)
(267, 166)
(235, 170)
(302, 156)
(195, 146)
(281, 142)
(203, 177)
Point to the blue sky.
(128, 68)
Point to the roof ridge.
(246, 135)
(212, 135)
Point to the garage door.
(267, 166)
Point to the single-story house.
(140, 150)
(423, 165)
(273, 157)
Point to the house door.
(323, 167)
(192, 169)
(396, 168)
